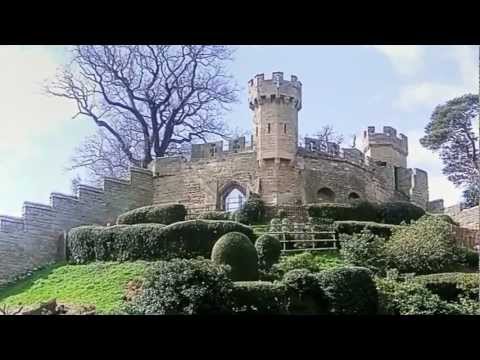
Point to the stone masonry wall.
(36, 238)
(467, 218)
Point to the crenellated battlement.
(275, 90)
(387, 137)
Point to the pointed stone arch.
(227, 189)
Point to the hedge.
(159, 214)
(215, 215)
(305, 293)
(355, 227)
(388, 213)
(448, 286)
(269, 249)
(259, 297)
(187, 239)
(350, 290)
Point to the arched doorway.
(325, 195)
(233, 196)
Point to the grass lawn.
(101, 284)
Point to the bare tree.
(147, 100)
(328, 134)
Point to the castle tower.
(386, 146)
(275, 103)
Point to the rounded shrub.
(236, 250)
(159, 214)
(398, 212)
(184, 287)
(350, 290)
(268, 251)
(351, 227)
(304, 291)
(186, 239)
(426, 246)
(331, 211)
(450, 286)
(259, 297)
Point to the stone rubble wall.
(36, 238)
(467, 218)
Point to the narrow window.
(256, 131)
(268, 128)
(284, 128)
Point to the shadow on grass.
(23, 285)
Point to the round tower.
(386, 146)
(275, 103)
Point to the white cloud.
(466, 57)
(406, 59)
(426, 94)
(26, 112)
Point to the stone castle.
(271, 165)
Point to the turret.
(275, 103)
(386, 146)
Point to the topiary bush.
(187, 239)
(259, 297)
(451, 286)
(332, 211)
(252, 212)
(184, 287)
(350, 290)
(305, 294)
(365, 211)
(236, 250)
(354, 227)
(159, 214)
(426, 246)
(469, 257)
(364, 249)
(268, 251)
(398, 212)
(215, 215)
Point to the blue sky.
(349, 87)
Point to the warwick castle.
(271, 165)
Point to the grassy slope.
(100, 284)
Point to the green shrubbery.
(158, 214)
(259, 297)
(236, 250)
(400, 296)
(423, 247)
(305, 293)
(314, 262)
(355, 227)
(398, 212)
(387, 213)
(184, 287)
(187, 239)
(268, 251)
(252, 212)
(364, 249)
(350, 290)
(451, 286)
(216, 215)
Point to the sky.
(348, 87)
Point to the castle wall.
(36, 238)
(342, 177)
(467, 218)
(199, 183)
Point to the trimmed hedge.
(306, 296)
(236, 250)
(449, 286)
(215, 215)
(396, 212)
(252, 212)
(268, 249)
(259, 297)
(388, 213)
(187, 239)
(350, 290)
(355, 227)
(158, 214)
(364, 249)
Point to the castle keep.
(271, 164)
